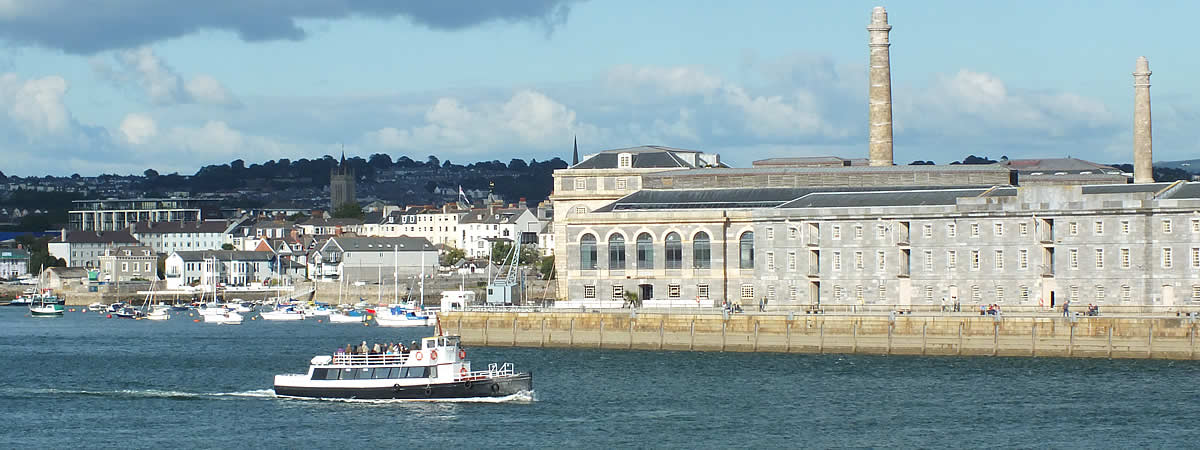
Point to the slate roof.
(893, 198)
(1124, 188)
(1070, 165)
(225, 255)
(644, 157)
(207, 226)
(13, 253)
(99, 237)
(330, 222)
(375, 244)
(1189, 190)
(501, 216)
(837, 170)
(743, 197)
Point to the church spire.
(575, 157)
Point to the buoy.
(196, 320)
(110, 316)
(318, 320)
(370, 318)
(84, 309)
(366, 324)
(71, 310)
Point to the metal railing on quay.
(922, 310)
(350, 359)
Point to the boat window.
(430, 343)
(381, 372)
(415, 372)
(320, 374)
(349, 374)
(433, 372)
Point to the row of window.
(374, 373)
(975, 229)
(839, 293)
(672, 249)
(673, 291)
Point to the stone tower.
(341, 185)
(1143, 157)
(881, 90)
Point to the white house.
(166, 237)
(439, 226)
(84, 248)
(14, 262)
(480, 227)
(232, 268)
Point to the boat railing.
(493, 371)
(369, 360)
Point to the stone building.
(128, 263)
(341, 185)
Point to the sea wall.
(1089, 337)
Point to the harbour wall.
(1085, 337)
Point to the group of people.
(389, 348)
(951, 306)
(731, 307)
(991, 310)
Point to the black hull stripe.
(468, 389)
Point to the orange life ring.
(417, 355)
(432, 355)
(462, 371)
(462, 354)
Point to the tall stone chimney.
(881, 90)
(1143, 157)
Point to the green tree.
(226, 246)
(546, 267)
(452, 255)
(501, 249)
(350, 210)
(297, 217)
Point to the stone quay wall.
(1086, 337)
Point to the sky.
(119, 86)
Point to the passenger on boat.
(376, 350)
(340, 351)
(362, 350)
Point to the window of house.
(1074, 292)
(770, 233)
(580, 184)
(124, 267)
(974, 230)
(589, 291)
(1166, 225)
(1098, 228)
(625, 160)
(858, 261)
(1125, 261)
(837, 260)
(618, 292)
(1195, 258)
(616, 252)
(837, 293)
(1073, 228)
(928, 260)
(858, 293)
(580, 209)
(881, 261)
(622, 184)
(976, 293)
(771, 261)
(951, 260)
(793, 232)
(999, 259)
(999, 294)
(1166, 257)
(974, 259)
(791, 261)
(1196, 225)
(928, 293)
(1125, 227)
(701, 251)
(882, 289)
(927, 230)
(587, 252)
(1195, 292)
(771, 292)
(837, 231)
(1023, 291)
(858, 232)
(674, 251)
(880, 231)
(645, 252)
(1099, 258)
(702, 291)
(793, 292)
(1100, 292)
(951, 230)
(1126, 292)
(747, 292)
(746, 250)
(1073, 258)
(998, 229)
(672, 291)
(1023, 228)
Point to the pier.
(1153, 337)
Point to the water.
(86, 380)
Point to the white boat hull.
(342, 318)
(282, 316)
(232, 318)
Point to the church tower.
(341, 185)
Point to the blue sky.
(122, 85)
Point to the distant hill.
(1190, 165)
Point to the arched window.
(701, 251)
(645, 251)
(616, 252)
(587, 252)
(674, 248)
(746, 247)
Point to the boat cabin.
(434, 358)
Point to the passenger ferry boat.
(437, 369)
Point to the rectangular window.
(1024, 293)
(1195, 258)
(702, 291)
(951, 260)
(124, 267)
(771, 292)
(881, 261)
(672, 291)
(1074, 292)
(929, 293)
(858, 232)
(580, 184)
(1126, 292)
(1166, 225)
(1195, 292)
(880, 231)
(1022, 259)
(622, 184)
(837, 260)
(882, 292)
(1073, 258)
(1073, 228)
(927, 230)
(928, 260)
(974, 230)
(951, 230)
(618, 292)
(589, 291)
(791, 261)
(999, 294)
(771, 261)
(1100, 292)
(1125, 262)
(837, 231)
(974, 259)
(1023, 228)
(793, 292)
(1166, 257)
(747, 292)
(858, 293)
(999, 229)
(1099, 258)
(858, 261)
(1124, 227)
(1098, 228)
(1196, 225)
(976, 293)
(793, 232)
(999, 259)
(770, 233)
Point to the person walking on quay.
(1066, 308)
(943, 303)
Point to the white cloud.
(36, 105)
(674, 81)
(138, 128)
(159, 82)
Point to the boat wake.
(519, 397)
(144, 393)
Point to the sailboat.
(345, 315)
(156, 312)
(215, 312)
(43, 303)
(399, 315)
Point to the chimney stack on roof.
(880, 93)
(1143, 155)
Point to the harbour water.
(84, 380)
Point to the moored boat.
(437, 368)
(284, 313)
(399, 316)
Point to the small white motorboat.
(285, 313)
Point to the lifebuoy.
(428, 391)
(462, 354)
(396, 387)
(417, 355)
(432, 355)
(462, 371)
